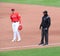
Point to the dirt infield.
(31, 19)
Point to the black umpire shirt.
(45, 22)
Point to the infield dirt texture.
(31, 19)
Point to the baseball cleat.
(18, 40)
(13, 40)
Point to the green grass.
(55, 51)
(39, 2)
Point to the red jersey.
(15, 17)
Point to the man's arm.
(11, 17)
(41, 24)
(49, 22)
(19, 18)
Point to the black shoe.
(45, 44)
(40, 44)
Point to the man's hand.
(39, 27)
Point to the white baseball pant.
(16, 34)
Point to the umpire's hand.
(40, 27)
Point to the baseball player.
(16, 21)
(45, 24)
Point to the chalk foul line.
(29, 46)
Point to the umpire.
(45, 24)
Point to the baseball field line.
(28, 46)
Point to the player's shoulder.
(11, 14)
(17, 13)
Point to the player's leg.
(46, 37)
(14, 36)
(17, 32)
(42, 37)
(19, 37)
(14, 31)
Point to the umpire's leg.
(42, 36)
(46, 36)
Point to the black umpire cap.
(45, 11)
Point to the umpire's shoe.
(41, 44)
(45, 44)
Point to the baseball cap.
(45, 11)
(12, 9)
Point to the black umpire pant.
(44, 36)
